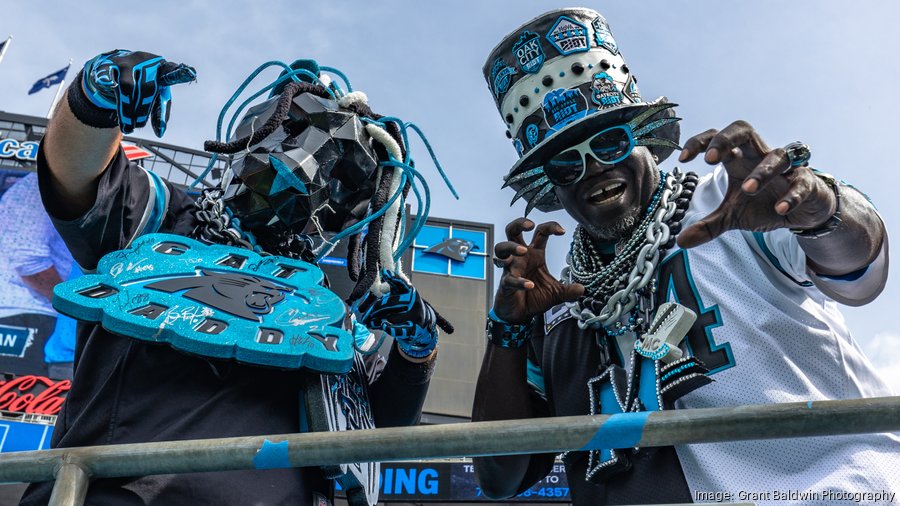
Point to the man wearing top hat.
(680, 292)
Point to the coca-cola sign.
(32, 394)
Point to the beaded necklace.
(615, 289)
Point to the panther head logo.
(242, 295)
(453, 248)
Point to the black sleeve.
(130, 202)
(540, 464)
(397, 396)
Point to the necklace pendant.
(669, 327)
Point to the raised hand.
(763, 194)
(136, 85)
(526, 287)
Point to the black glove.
(403, 314)
(135, 85)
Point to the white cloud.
(884, 352)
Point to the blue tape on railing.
(272, 456)
(622, 430)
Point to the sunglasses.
(609, 147)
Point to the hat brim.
(580, 130)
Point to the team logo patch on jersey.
(568, 36)
(604, 92)
(453, 248)
(562, 107)
(528, 52)
(602, 36)
(215, 301)
(501, 77)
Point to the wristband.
(85, 111)
(834, 221)
(507, 335)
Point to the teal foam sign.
(215, 301)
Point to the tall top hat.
(556, 80)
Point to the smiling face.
(609, 200)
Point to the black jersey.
(129, 391)
(562, 359)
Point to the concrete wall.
(464, 303)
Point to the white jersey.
(773, 337)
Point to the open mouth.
(607, 193)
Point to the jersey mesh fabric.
(789, 343)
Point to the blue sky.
(817, 71)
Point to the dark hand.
(526, 287)
(760, 197)
(135, 84)
(404, 315)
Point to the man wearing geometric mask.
(208, 318)
(680, 291)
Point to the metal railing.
(179, 165)
(72, 468)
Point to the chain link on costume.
(218, 226)
(615, 289)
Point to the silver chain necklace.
(641, 253)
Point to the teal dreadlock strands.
(368, 219)
(291, 74)
(339, 74)
(434, 159)
(407, 158)
(423, 207)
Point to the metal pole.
(542, 435)
(8, 41)
(59, 90)
(71, 486)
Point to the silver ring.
(798, 155)
(500, 264)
